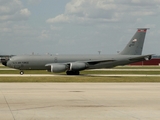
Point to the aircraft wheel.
(21, 72)
(72, 72)
(68, 72)
(76, 72)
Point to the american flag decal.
(134, 40)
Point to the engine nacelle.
(56, 68)
(77, 66)
(4, 60)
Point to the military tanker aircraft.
(73, 64)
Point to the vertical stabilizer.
(135, 45)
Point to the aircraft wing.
(94, 62)
(74, 66)
(120, 61)
(82, 65)
(134, 59)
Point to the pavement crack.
(9, 106)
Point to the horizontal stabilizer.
(141, 58)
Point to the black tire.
(72, 72)
(21, 72)
(76, 72)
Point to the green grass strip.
(79, 79)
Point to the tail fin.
(135, 45)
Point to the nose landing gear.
(21, 72)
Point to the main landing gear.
(72, 72)
(21, 72)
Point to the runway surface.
(96, 75)
(79, 101)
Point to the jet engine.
(77, 66)
(4, 60)
(60, 67)
(56, 68)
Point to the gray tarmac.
(79, 101)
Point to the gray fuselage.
(38, 62)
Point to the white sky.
(76, 26)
